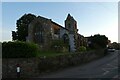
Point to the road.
(106, 67)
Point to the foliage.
(19, 49)
(14, 35)
(82, 48)
(116, 45)
(59, 46)
(22, 27)
(98, 41)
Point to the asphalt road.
(106, 67)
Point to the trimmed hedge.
(19, 50)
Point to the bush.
(82, 48)
(59, 46)
(19, 50)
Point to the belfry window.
(69, 26)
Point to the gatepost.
(18, 71)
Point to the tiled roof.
(58, 25)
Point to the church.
(42, 31)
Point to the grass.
(50, 53)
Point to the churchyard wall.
(32, 67)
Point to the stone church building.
(42, 31)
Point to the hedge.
(19, 50)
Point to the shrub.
(82, 48)
(19, 50)
(59, 46)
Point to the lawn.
(50, 54)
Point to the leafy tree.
(22, 27)
(98, 41)
(14, 35)
(115, 45)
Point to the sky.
(60, 0)
(92, 17)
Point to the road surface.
(106, 67)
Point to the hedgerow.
(19, 50)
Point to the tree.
(14, 35)
(115, 45)
(22, 27)
(98, 41)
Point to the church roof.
(53, 21)
(58, 25)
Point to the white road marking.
(115, 76)
(107, 70)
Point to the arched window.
(65, 38)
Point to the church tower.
(71, 25)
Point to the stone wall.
(28, 67)
(31, 67)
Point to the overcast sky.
(92, 17)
